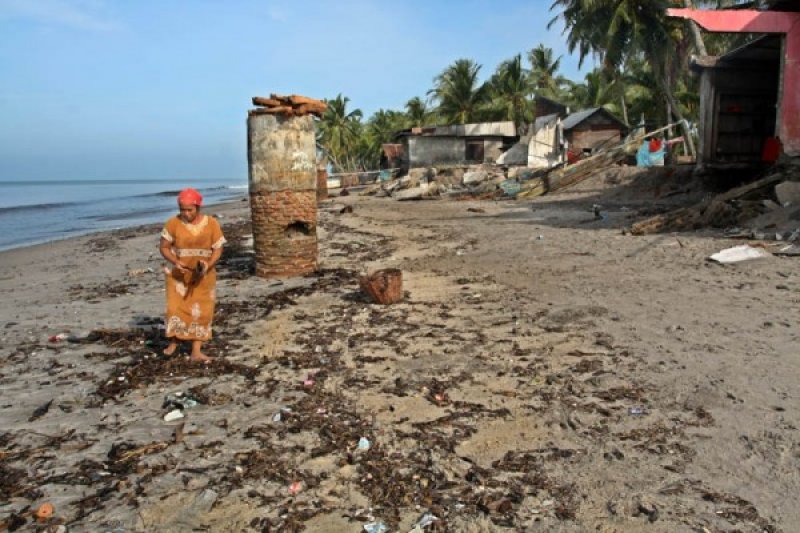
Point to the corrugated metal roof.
(484, 129)
(576, 118)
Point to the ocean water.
(33, 212)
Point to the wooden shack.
(592, 128)
(738, 103)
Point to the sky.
(159, 89)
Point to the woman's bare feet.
(169, 350)
(197, 355)
(200, 358)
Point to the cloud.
(77, 14)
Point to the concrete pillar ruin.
(281, 153)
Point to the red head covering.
(190, 196)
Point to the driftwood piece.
(294, 105)
(296, 99)
(305, 109)
(716, 212)
(266, 102)
(383, 286)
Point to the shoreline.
(225, 205)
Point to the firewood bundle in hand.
(291, 106)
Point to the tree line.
(642, 75)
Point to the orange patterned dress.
(190, 298)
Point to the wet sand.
(545, 372)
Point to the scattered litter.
(295, 487)
(61, 529)
(426, 520)
(175, 414)
(363, 443)
(739, 253)
(276, 417)
(204, 501)
(476, 210)
(375, 527)
(790, 250)
(40, 411)
(139, 271)
(179, 400)
(44, 512)
(308, 382)
(58, 338)
(637, 410)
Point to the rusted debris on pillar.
(293, 105)
(283, 185)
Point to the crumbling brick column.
(283, 193)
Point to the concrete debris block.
(422, 174)
(486, 186)
(519, 173)
(434, 189)
(414, 193)
(409, 182)
(738, 254)
(449, 178)
(475, 176)
(450, 175)
(788, 192)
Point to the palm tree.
(597, 90)
(384, 124)
(458, 92)
(511, 88)
(616, 30)
(544, 71)
(339, 130)
(417, 111)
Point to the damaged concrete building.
(554, 139)
(456, 144)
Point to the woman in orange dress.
(192, 242)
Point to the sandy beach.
(545, 372)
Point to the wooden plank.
(266, 102)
